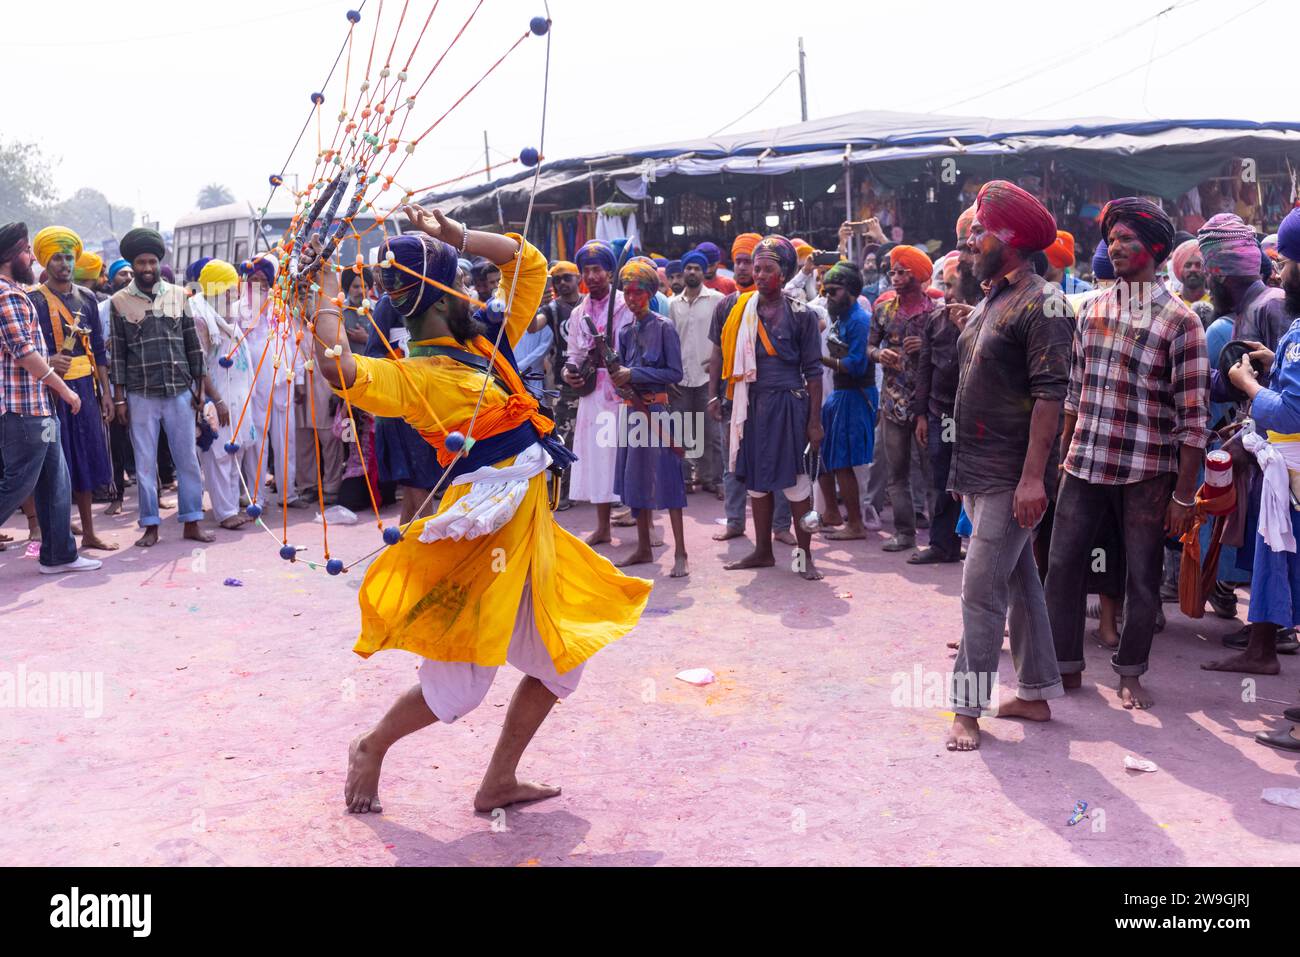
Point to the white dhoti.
(595, 443)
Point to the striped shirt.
(1139, 384)
(20, 336)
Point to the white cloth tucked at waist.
(495, 496)
(1275, 461)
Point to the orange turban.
(950, 267)
(1061, 253)
(963, 223)
(744, 245)
(802, 249)
(1014, 216)
(562, 267)
(913, 260)
(1184, 252)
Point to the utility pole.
(803, 82)
(487, 159)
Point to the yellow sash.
(731, 331)
(60, 318)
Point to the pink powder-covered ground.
(227, 713)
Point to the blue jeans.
(175, 416)
(32, 452)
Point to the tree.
(214, 194)
(87, 212)
(25, 182)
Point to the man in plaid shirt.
(31, 450)
(1136, 427)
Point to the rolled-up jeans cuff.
(1129, 671)
(1070, 667)
(1045, 693)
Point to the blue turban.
(710, 251)
(695, 257)
(660, 261)
(193, 270)
(674, 265)
(1288, 236)
(465, 265)
(425, 256)
(596, 253)
(116, 268)
(265, 264)
(1101, 267)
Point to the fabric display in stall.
(616, 221)
(569, 231)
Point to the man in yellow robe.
(491, 577)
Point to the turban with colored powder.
(1181, 254)
(141, 241)
(89, 266)
(640, 274)
(743, 245)
(1014, 216)
(913, 260)
(1151, 223)
(964, 221)
(1101, 267)
(426, 257)
(845, 274)
(1229, 247)
(266, 264)
(53, 240)
(195, 269)
(1288, 236)
(596, 253)
(950, 262)
(674, 266)
(697, 258)
(1061, 253)
(116, 268)
(1268, 243)
(217, 276)
(802, 249)
(711, 252)
(781, 251)
(563, 268)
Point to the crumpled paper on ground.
(1282, 797)
(1139, 764)
(697, 676)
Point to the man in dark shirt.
(156, 361)
(1014, 368)
(936, 388)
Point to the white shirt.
(693, 318)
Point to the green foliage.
(214, 194)
(27, 194)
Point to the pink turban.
(1181, 255)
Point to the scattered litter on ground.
(697, 676)
(338, 515)
(33, 550)
(844, 594)
(1282, 797)
(1139, 764)
(1080, 812)
(233, 583)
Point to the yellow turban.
(217, 276)
(89, 266)
(53, 240)
(802, 249)
(562, 267)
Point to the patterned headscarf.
(1229, 246)
(1151, 223)
(781, 251)
(641, 274)
(845, 274)
(52, 240)
(1015, 216)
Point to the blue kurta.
(1275, 584)
(647, 473)
(84, 437)
(849, 414)
(771, 456)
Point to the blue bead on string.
(539, 25)
(225, 362)
(288, 553)
(334, 566)
(232, 448)
(254, 511)
(354, 16)
(454, 442)
(392, 535)
(529, 156)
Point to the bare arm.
(1030, 502)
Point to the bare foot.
(810, 573)
(361, 790)
(516, 792)
(846, 534)
(76, 528)
(680, 568)
(656, 538)
(149, 539)
(954, 645)
(758, 558)
(1106, 637)
(1016, 707)
(786, 537)
(598, 537)
(964, 734)
(97, 543)
(727, 533)
(638, 557)
(235, 522)
(1244, 664)
(1133, 695)
(195, 533)
(166, 502)
(1072, 681)
(831, 520)
(114, 507)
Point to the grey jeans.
(999, 573)
(693, 406)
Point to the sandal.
(931, 556)
(1282, 740)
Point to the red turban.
(914, 261)
(1014, 216)
(964, 221)
(1061, 253)
(744, 245)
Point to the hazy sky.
(149, 100)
